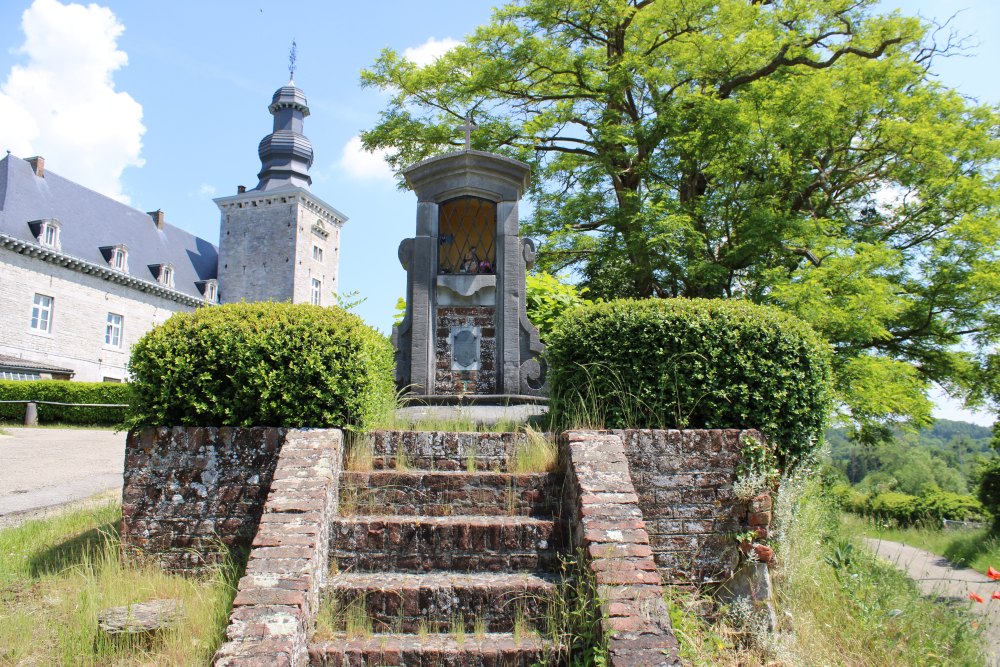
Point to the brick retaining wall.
(684, 480)
(188, 490)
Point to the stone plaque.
(465, 349)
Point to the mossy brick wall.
(684, 481)
(190, 490)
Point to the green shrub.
(989, 489)
(892, 506)
(691, 363)
(62, 391)
(936, 504)
(547, 298)
(262, 364)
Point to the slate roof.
(89, 221)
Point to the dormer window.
(166, 275)
(47, 232)
(116, 256)
(210, 290)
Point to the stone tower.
(278, 241)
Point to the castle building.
(83, 277)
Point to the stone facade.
(81, 303)
(447, 378)
(273, 244)
(188, 490)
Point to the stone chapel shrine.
(466, 334)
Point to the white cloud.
(206, 190)
(363, 165)
(430, 50)
(62, 103)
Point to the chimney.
(157, 217)
(37, 165)
(241, 189)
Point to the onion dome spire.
(286, 154)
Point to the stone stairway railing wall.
(190, 490)
(277, 599)
(606, 523)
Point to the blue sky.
(162, 104)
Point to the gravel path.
(43, 468)
(938, 577)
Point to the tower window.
(315, 292)
(317, 253)
(113, 330)
(211, 291)
(41, 313)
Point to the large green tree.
(792, 152)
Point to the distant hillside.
(947, 454)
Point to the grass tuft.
(535, 454)
(57, 574)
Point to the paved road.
(940, 578)
(46, 467)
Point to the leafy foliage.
(799, 154)
(905, 509)
(989, 489)
(692, 363)
(261, 364)
(61, 391)
(548, 297)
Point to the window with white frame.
(19, 375)
(48, 234)
(41, 313)
(211, 291)
(315, 292)
(317, 253)
(166, 276)
(119, 258)
(113, 330)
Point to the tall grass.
(845, 606)
(56, 575)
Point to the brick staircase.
(442, 556)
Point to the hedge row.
(62, 391)
(262, 364)
(933, 505)
(691, 363)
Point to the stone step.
(463, 543)
(442, 450)
(439, 650)
(442, 493)
(438, 601)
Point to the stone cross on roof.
(468, 126)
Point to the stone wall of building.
(481, 381)
(81, 303)
(684, 481)
(189, 490)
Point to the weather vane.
(291, 61)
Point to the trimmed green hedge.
(905, 510)
(63, 391)
(262, 364)
(691, 363)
